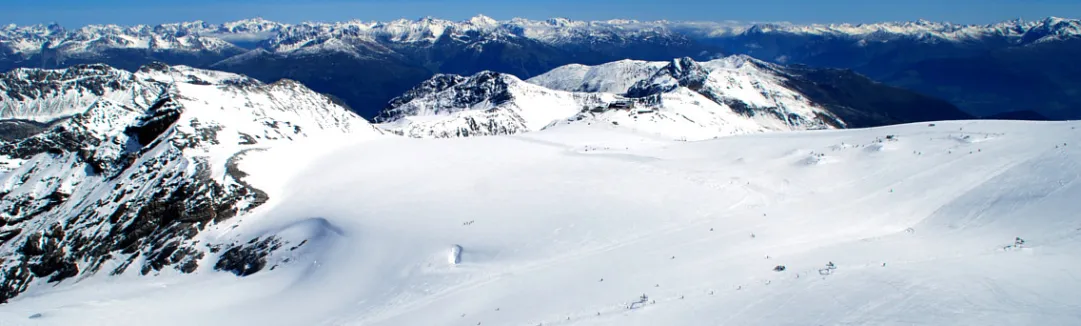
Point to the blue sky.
(74, 13)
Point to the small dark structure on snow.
(621, 105)
(779, 268)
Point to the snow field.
(533, 229)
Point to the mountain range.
(678, 99)
(983, 69)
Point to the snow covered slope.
(145, 163)
(678, 99)
(613, 77)
(733, 95)
(592, 225)
(46, 95)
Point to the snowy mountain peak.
(613, 77)
(482, 20)
(680, 65)
(686, 72)
(257, 24)
(486, 103)
(559, 21)
(721, 98)
(445, 94)
(139, 166)
(679, 99)
(1052, 20)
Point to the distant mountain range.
(983, 69)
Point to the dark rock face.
(685, 70)
(152, 126)
(15, 129)
(96, 79)
(463, 92)
(436, 84)
(155, 222)
(249, 258)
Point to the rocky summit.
(135, 166)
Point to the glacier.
(600, 225)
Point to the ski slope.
(572, 225)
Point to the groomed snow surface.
(573, 225)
